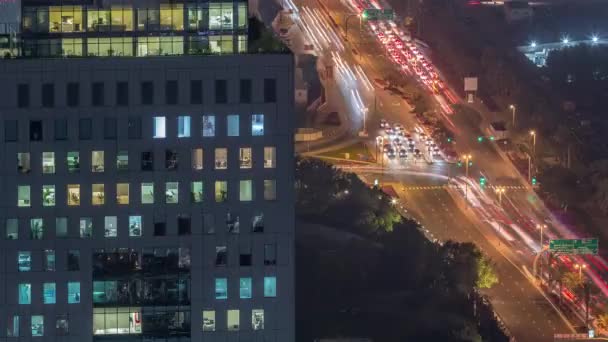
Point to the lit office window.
(122, 161)
(36, 228)
(110, 224)
(98, 194)
(97, 161)
(49, 260)
(183, 126)
(209, 320)
(221, 16)
(221, 255)
(86, 227)
(171, 159)
(245, 158)
(73, 194)
(270, 189)
(12, 229)
(257, 223)
(171, 192)
(196, 193)
(37, 325)
(221, 288)
(73, 292)
(257, 319)
(233, 126)
(197, 159)
(147, 193)
(23, 162)
(208, 124)
(12, 328)
(24, 261)
(233, 224)
(125, 321)
(257, 124)
(245, 288)
(73, 161)
(160, 127)
(62, 325)
(48, 195)
(135, 226)
(23, 196)
(48, 162)
(270, 286)
(270, 157)
(48, 293)
(122, 193)
(233, 320)
(221, 158)
(221, 191)
(25, 293)
(245, 190)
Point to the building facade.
(146, 199)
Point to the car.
(396, 139)
(411, 149)
(399, 143)
(388, 130)
(386, 147)
(398, 127)
(402, 153)
(391, 153)
(417, 152)
(383, 123)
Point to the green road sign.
(574, 246)
(378, 14)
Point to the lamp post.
(580, 268)
(512, 107)
(533, 134)
(500, 190)
(541, 227)
(467, 158)
(529, 168)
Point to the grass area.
(356, 151)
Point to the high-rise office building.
(145, 199)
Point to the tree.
(601, 322)
(486, 276)
(572, 281)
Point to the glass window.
(12, 229)
(73, 260)
(270, 157)
(160, 226)
(270, 254)
(48, 95)
(242, 15)
(221, 191)
(257, 223)
(245, 91)
(23, 196)
(135, 226)
(233, 126)
(86, 227)
(221, 86)
(110, 226)
(48, 162)
(197, 159)
(73, 194)
(97, 94)
(11, 130)
(221, 255)
(184, 225)
(36, 130)
(37, 325)
(208, 124)
(245, 288)
(171, 92)
(61, 129)
(172, 17)
(257, 124)
(147, 193)
(245, 190)
(257, 319)
(110, 321)
(98, 194)
(183, 126)
(270, 189)
(23, 95)
(209, 320)
(97, 161)
(24, 261)
(110, 128)
(48, 293)
(122, 161)
(122, 97)
(221, 16)
(73, 161)
(147, 161)
(242, 43)
(23, 162)
(85, 129)
(245, 256)
(171, 192)
(245, 159)
(48, 195)
(12, 327)
(221, 158)
(25, 293)
(61, 325)
(61, 227)
(73, 292)
(196, 92)
(270, 90)
(233, 320)
(36, 229)
(49, 260)
(221, 288)
(159, 127)
(196, 192)
(232, 223)
(270, 286)
(122, 193)
(147, 87)
(209, 223)
(171, 160)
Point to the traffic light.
(470, 163)
(479, 138)
(459, 163)
(450, 139)
(491, 138)
(482, 181)
(534, 180)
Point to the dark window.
(73, 260)
(270, 254)
(147, 161)
(270, 90)
(134, 129)
(160, 228)
(245, 256)
(61, 129)
(36, 130)
(221, 91)
(11, 131)
(147, 93)
(23, 95)
(183, 225)
(97, 94)
(85, 129)
(245, 91)
(122, 94)
(109, 128)
(171, 91)
(171, 161)
(48, 95)
(221, 255)
(196, 92)
(72, 94)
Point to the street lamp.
(595, 39)
(500, 190)
(533, 44)
(565, 40)
(512, 107)
(533, 134)
(580, 268)
(467, 158)
(541, 227)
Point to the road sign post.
(574, 246)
